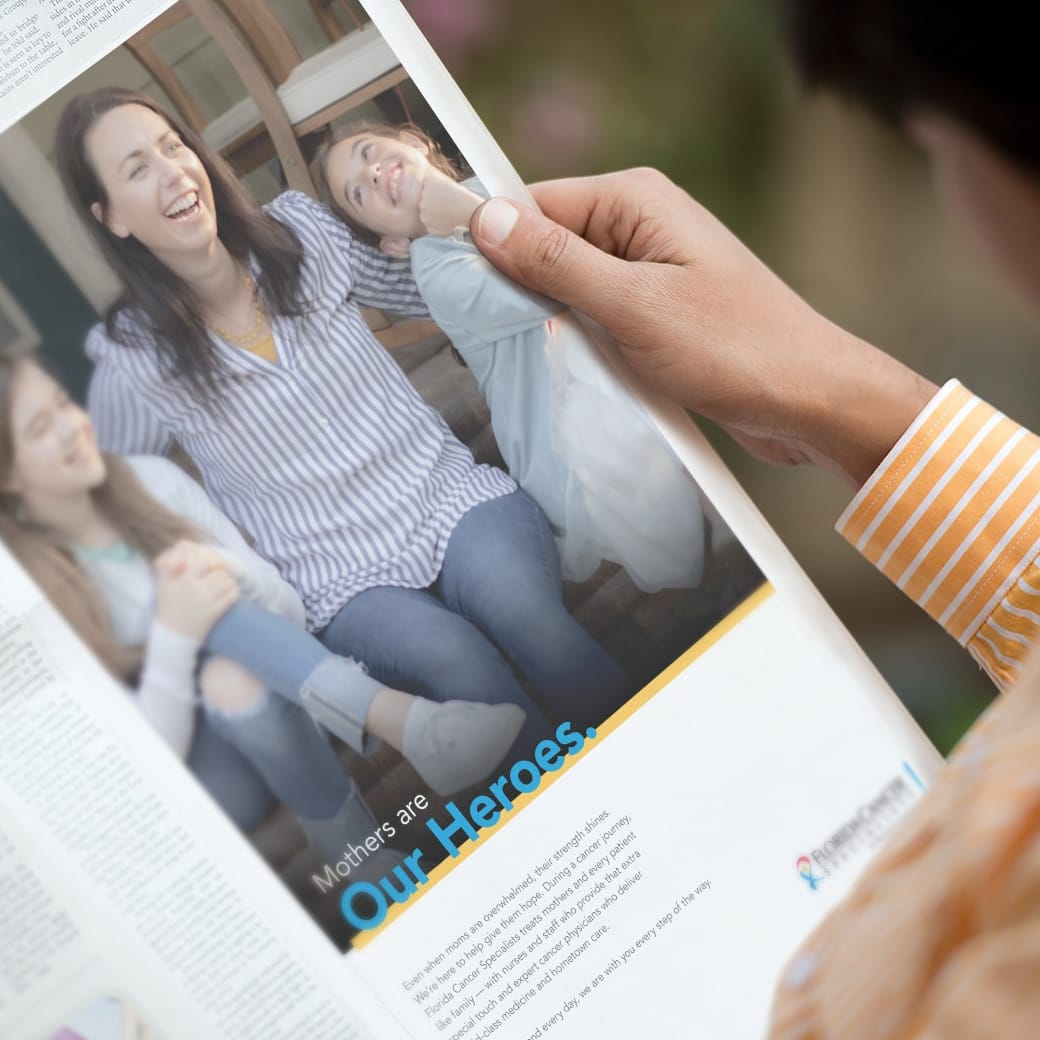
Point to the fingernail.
(497, 218)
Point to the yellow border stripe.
(629, 708)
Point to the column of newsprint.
(119, 879)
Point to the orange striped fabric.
(952, 516)
(940, 938)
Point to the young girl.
(241, 338)
(150, 575)
(571, 439)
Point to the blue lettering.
(445, 834)
(363, 888)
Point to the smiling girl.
(607, 482)
(207, 636)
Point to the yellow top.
(264, 348)
(940, 938)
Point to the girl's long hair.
(157, 301)
(147, 526)
(319, 166)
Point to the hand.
(194, 588)
(445, 204)
(702, 320)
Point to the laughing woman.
(241, 337)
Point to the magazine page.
(579, 713)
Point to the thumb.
(542, 255)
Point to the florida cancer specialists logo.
(864, 830)
(805, 871)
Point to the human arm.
(446, 204)
(258, 580)
(165, 692)
(952, 516)
(123, 419)
(344, 265)
(701, 319)
(385, 282)
(939, 938)
(468, 297)
(193, 591)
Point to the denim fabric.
(502, 572)
(272, 750)
(229, 777)
(290, 661)
(496, 604)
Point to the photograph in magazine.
(107, 1018)
(373, 537)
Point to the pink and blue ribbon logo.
(805, 870)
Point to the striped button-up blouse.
(940, 938)
(330, 459)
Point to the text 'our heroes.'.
(365, 904)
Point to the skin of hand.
(702, 320)
(194, 588)
(445, 204)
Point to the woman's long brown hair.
(147, 526)
(157, 304)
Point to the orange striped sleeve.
(952, 516)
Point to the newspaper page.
(119, 913)
(518, 693)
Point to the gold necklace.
(256, 329)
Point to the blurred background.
(839, 206)
(842, 208)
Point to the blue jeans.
(247, 761)
(291, 662)
(274, 750)
(496, 606)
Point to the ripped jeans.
(273, 750)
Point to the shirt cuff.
(952, 516)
